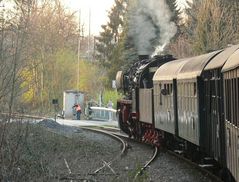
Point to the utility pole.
(89, 34)
(94, 48)
(78, 53)
(2, 30)
(81, 35)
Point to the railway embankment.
(49, 151)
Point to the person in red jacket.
(78, 111)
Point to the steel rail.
(140, 171)
(124, 144)
(147, 163)
(124, 147)
(204, 171)
(23, 115)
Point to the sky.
(99, 12)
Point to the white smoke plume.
(150, 26)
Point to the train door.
(213, 117)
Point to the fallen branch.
(69, 170)
(108, 165)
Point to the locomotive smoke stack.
(142, 57)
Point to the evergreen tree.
(109, 43)
(104, 45)
(175, 11)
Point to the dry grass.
(33, 153)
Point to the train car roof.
(169, 71)
(232, 62)
(220, 59)
(195, 65)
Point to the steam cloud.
(150, 26)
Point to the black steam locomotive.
(190, 105)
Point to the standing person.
(78, 111)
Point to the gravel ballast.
(48, 151)
(165, 168)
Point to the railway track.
(22, 116)
(205, 172)
(195, 165)
(147, 163)
(114, 136)
(112, 132)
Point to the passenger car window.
(194, 89)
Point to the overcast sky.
(99, 12)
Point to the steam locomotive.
(190, 105)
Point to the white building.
(70, 98)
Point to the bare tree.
(13, 39)
(213, 25)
